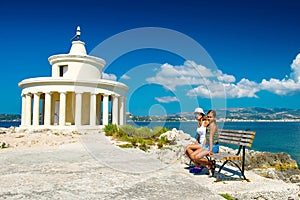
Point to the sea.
(270, 136)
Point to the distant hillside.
(254, 113)
(10, 117)
(260, 113)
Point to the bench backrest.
(236, 137)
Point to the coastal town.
(231, 115)
(224, 115)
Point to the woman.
(212, 146)
(203, 122)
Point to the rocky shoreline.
(269, 165)
(274, 167)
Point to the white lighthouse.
(75, 96)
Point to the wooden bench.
(239, 138)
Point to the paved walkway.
(93, 169)
(96, 169)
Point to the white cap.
(199, 110)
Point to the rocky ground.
(87, 165)
(16, 138)
(270, 165)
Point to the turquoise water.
(270, 136)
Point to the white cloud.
(200, 70)
(280, 87)
(226, 78)
(126, 77)
(215, 89)
(109, 76)
(209, 83)
(166, 99)
(190, 73)
(295, 75)
(287, 85)
(244, 88)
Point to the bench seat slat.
(236, 131)
(237, 135)
(238, 143)
(226, 156)
(243, 140)
(234, 138)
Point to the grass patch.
(142, 137)
(125, 146)
(110, 129)
(227, 196)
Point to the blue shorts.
(201, 145)
(215, 148)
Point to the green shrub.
(143, 146)
(129, 130)
(134, 142)
(126, 138)
(158, 130)
(144, 132)
(160, 144)
(149, 141)
(162, 141)
(119, 134)
(110, 129)
(142, 137)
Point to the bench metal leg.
(241, 169)
(222, 166)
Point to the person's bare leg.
(199, 157)
(201, 160)
(195, 154)
(191, 149)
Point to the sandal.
(212, 168)
(190, 165)
(196, 170)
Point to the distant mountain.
(254, 113)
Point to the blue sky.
(247, 52)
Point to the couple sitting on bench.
(206, 144)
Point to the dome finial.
(77, 36)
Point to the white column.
(93, 109)
(47, 116)
(23, 114)
(105, 109)
(78, 105)
(36, 109)
(115, 110)
(62, 108)
(122, 110)
(28, 109)
(99, 107)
